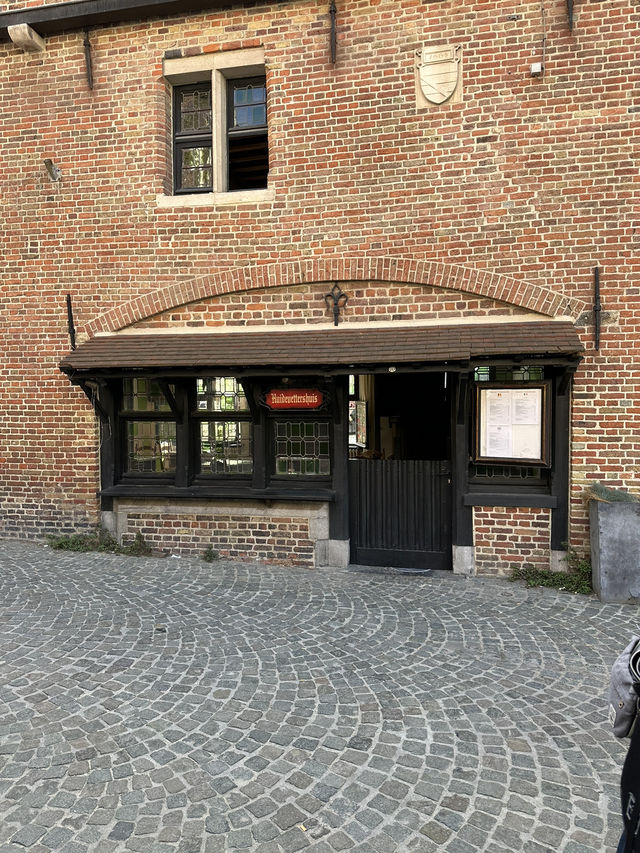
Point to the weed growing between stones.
(577, 578)
(100, 540)
(209, 555)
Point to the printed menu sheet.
(511, 423)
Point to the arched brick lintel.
(479, 282)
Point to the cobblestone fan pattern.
(174, 705)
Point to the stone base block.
(463, 558)
(333, 552)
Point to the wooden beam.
(79, 14)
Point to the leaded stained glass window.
(247, 143)
(226, 447)
(150, 447)
(193, 140)
(226, 440)
(526, 373)
(220, 394)
(144, 395)
(302, 448)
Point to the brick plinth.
(285, 533)
(508, 536)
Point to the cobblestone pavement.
(176, 705)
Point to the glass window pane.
(193, 157)
(144, 395)
(226, 447)
(258, 115)
(194, 110)
(220, 394)
(195, 168)
(242, 117)
(151, 447)
(203, 100)
(249, 104)
(302, 448)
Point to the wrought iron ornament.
(336, 299)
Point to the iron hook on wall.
(87, 58)
(597, 306)
(70, 325)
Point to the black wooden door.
(400, 513)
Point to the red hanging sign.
(294, 398)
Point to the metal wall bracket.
(70, 326)
(333, 39)
(570, 14)
(87, 58)
(597, 306)
(91, 391)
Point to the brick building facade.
(332, 270)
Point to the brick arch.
(479, 282)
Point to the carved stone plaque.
(439, 75)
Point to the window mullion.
(260, 436)
(183, 437)
(108, 444)
(219, 131)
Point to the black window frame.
(259, 133)
(188, 479)
(312, 416)
(197, 417)
(183, 140)
(124, 417)
(512, 476)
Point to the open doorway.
(399, 470)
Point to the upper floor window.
(247, 148)
(192, 139)
(220, 140)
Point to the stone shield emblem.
(439, 72)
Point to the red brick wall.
(392, 271)
(369, 302)
(505, 537)
(281, 539)
(531, 178)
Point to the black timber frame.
(555, 498)
(336, 492)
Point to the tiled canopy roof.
(329, 346)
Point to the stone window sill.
(215, 199)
